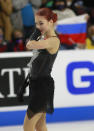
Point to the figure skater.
(41, 83)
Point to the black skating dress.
(41, 83)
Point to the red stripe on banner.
(70, 39)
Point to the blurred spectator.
(63, 12)
(3, 42)
(5, 22)
(48, 4)
(18, 42)
(22, 16)
(69, 3)
(16, 17)
(28, 20)
(90, 38)
(82, 7)
(79, 7)
(60, 7)
(36, 4)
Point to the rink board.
(73, 73)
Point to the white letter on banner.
(26, 70)
(1, 96)
(11, 79)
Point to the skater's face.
(43, 24)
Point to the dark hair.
(47, 13)
(65, 3)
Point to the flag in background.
(72, 30)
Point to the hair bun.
(54, 17)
